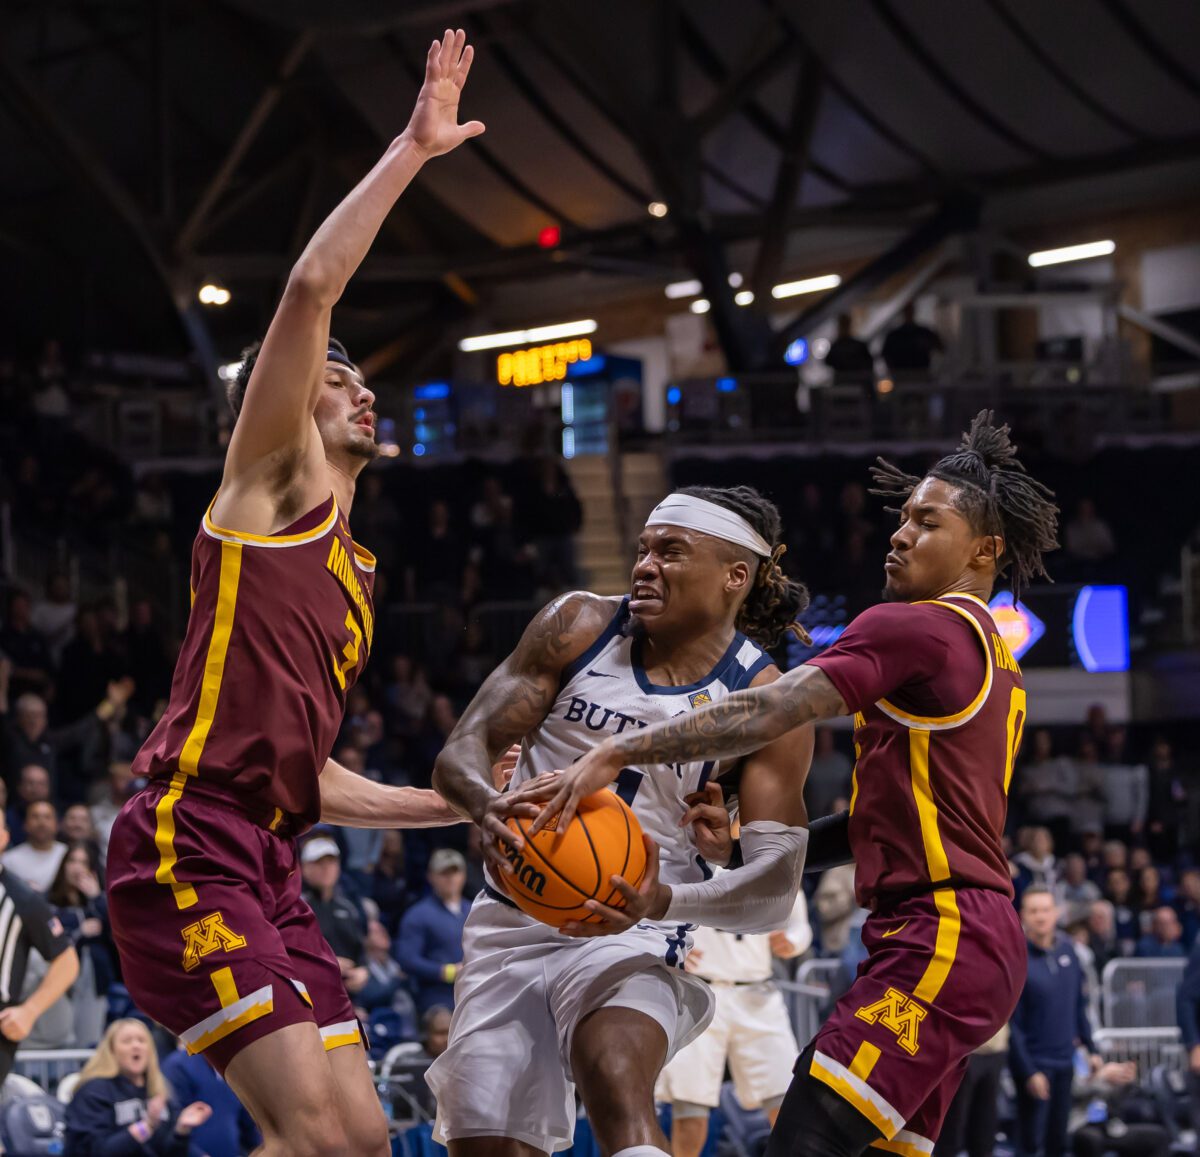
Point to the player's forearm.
(462, 774)
(338, 247)
(353, 801)
(61, 974)
(743, 723)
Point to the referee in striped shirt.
(27, 921)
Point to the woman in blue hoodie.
(121, 1106)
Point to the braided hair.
(775, 600)
(994, 493)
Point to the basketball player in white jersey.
(602, 1007)
(750, 1030)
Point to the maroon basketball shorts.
(216, 942)
(943, 974)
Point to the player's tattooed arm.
(745, 722)
(513, 700)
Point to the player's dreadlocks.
(235, 390)
(774, 600)
(994, 493)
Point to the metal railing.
(810, 997)
(47, 1067)
(1146, 1047)
(1140, 994)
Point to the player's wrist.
(661, 903)
(407, 146)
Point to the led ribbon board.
(545, 363)
(1100, 628)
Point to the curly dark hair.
(994, 493)
(775, 600)
(235, 390)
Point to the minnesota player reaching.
(216, 942)
(536, 1011)
(939, 707)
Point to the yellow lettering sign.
(547, 363)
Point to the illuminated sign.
(544, 363)
(1019, 627)
(1100, 628)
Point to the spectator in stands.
(25, 648)
(1118, 890)
(389, 887)
(974, 1114)
(33, 786)
(77, 825)
(438, 560)
(1174, 809)
(145, 659)
(435, 1031)
(53, 617)
(1049, 1023)
(1102, 1100)
(1102, 934)
(1164, 941)
(827, 788)
(1045, 788)
(77, 897)
(407, 696)
(37, 860)
(836, 908)
(230, 1131)
(377, 521)
(908, 349)
(385, 976)
(1187, 905)
(429, 946)
(1126, 798)
(850, 358)
(122, 1102)
(1116, 855)
(1036, 863)
(1187, 1007)
(362, 844)
(152, 504)
(1116, 745)
(554, 516)
(1096, 724)
(501, 555)
(1087, 537)
(115, 792)
(341, 920)
(1148, 892)
(94, 662)
(1075, 893)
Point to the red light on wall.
(549, 237)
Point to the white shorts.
(751, 1031)
(522, 991)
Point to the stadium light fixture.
(657, 209)
(1072, 253)
(807, 285)
(228, 371)
(211, 293)
(490, 341)
(678, 289)
(700, 305)
(744, 296)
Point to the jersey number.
(1014, 731)
(628, 781)
(350, 650)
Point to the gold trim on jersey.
(945, 722)
(945, 948)
(851, 1085)
(269, 540)
(206, 710)
(364, 558)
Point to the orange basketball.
(557, 872)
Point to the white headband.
(708, 518)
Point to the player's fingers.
(650, 876)
(473, 129)
(715, 795)
(464, 65)
(627, 890)
(431, 60)
(703, 813)
(449, 56)
(460, 45)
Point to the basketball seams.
(531, 846)
(587, 835)
(628, 849)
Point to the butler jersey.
(279, 631)
(939, 708)
(606, 691)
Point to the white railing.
(47, 1067)
(1146, 1047)
(1140, 994)
(810, 996)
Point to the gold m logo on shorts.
(897, 1013)
(211, 934)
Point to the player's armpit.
(515, 698)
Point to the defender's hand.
(434, 127)
(503, 768)
(495, 834)
(647, 902)
(595, 770)
(711, 830)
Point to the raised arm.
(275, 424)
(745, 722)
(514, 699)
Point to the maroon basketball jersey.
(280, 629)
(939, 708)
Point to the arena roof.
(152, 143)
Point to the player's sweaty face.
(345, 413)
(678, 579)
(931, 548)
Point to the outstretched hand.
(434, 126)
(497, 840)
(648, 901)
(594, 770)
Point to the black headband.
(333, 355)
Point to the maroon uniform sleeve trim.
(269, 540)
(364, 558)
(944, 722)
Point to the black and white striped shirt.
(26, 921)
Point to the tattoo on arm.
(516, 697)
(745, 722)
